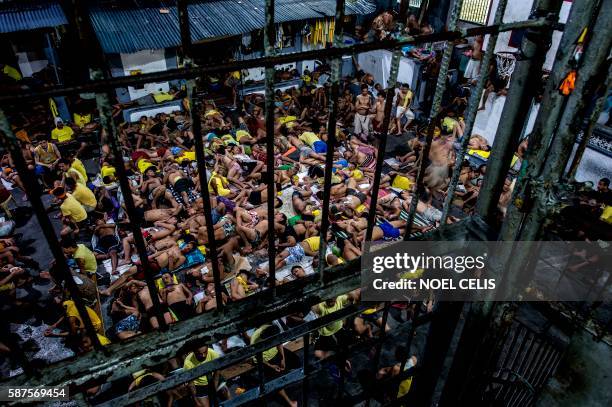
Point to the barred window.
(475, 11)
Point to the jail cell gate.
(529, 355)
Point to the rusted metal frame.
(525, 81)
(154, 347)
(433, 117)
(547, 176)
(588, 132)
(106, 120)
(261, 378)
(269, 40)
(183, 15)
(382, 143)
(270, 387)
(581, 14)
(232, 358)
(529, 371)
(331, 137)
(306, 368)
(196, 71)
(205, 192)
(522, 365)
(383, 334)
(470, 116)
(34, 193)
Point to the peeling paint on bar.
(470, 116)
(331, 137)
(433, 116)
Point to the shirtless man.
(178, 297)
(180, 182)
(140, 289)
(163, 230)
(155, 215)
(108, 243)
(379, 116)
(363, 108)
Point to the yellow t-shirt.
(187, 155)
(78, 165)
(335, 326)
(287, 119)
(11, 72)
(269, 354)
(162, 97)
(240, 134)
(144, 165)
(103, 340)
(74, 173)
(401, 182)
(72, 209)
(72, 311)
(191, 362)
(220, 183)
(84, 195)
(313, 242)
(81, 120)
(107, 170)
(309, 138)
(87, 257)
(62, 135)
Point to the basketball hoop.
(505, 63)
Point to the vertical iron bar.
(269, 40)
(331, 137)
(548, 174)
(433, 116)
(183, 14)
(588, 132)
(408, 345)
(106, 120)
(261, 378)
(34, 192)
(212, 389)
(526, 79)
(201, 161)
(306, 350)
(383, 334)
(382, 142)
(472, 111)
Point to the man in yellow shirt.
(332, 337)
(295, 254)
(199, 386)
(62, 134)
(314, 142)
(69, 206)
(85, 258)
(81, 193)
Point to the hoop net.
(505, 63)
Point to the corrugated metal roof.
(19, 17)
(122, 30)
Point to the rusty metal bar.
(383, 334)
(269, 39)
(232, 358)
(196, 122)
(588, 132)
(382, 142)
(433, 117)
(470, 116)
(331, 137)
(261, 378)
(544, 176)
(34, 193)
(196, 71)
(106, 119)
(525, 81)
(306, 368)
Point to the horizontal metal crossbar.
(270, 61)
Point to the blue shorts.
(319, 147)
(389, 231)
(296, 254)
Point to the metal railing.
(98, 366)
